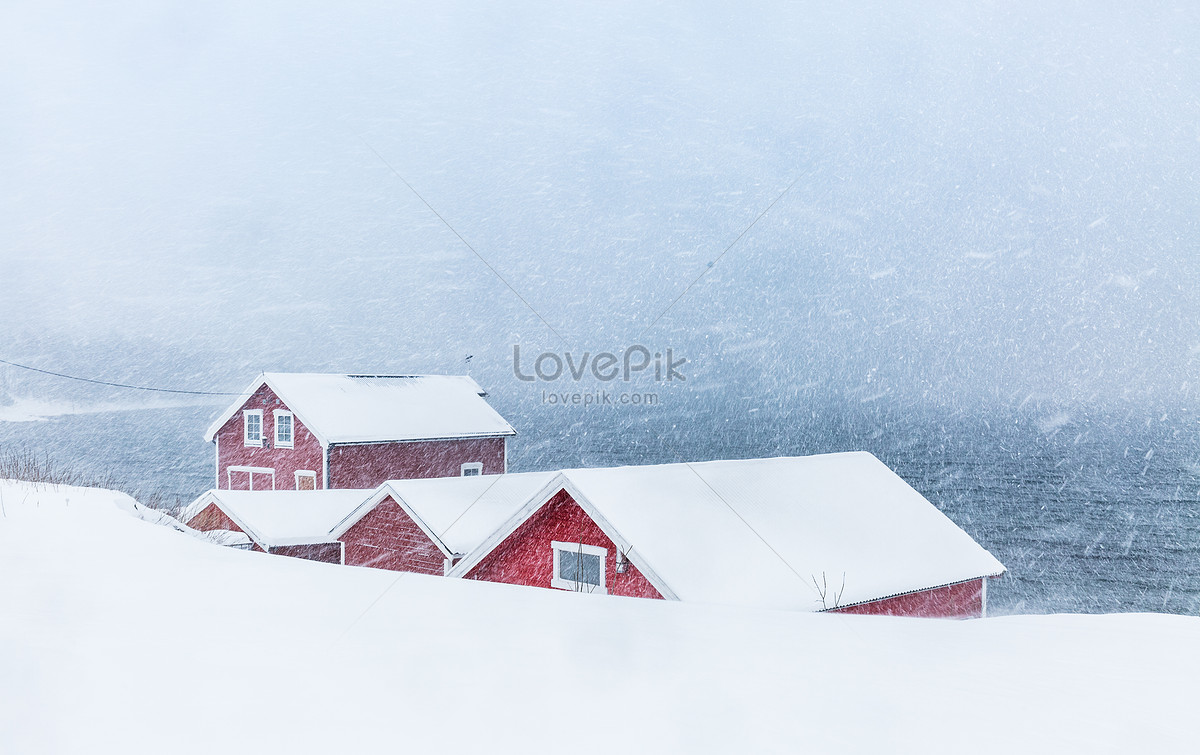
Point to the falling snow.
(963, 239)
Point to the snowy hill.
(124, 636)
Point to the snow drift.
(124, 636)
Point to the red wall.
(387, 538)
(329, 553)
(368, 465)
(363, 465)
(212, 518)
(961, 601)
(526, 558)
(232, 451)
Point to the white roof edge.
(229, 411)
(264, 378)
(335, 441)
(561, 481)
(362, 509)
(187, 512)
(367, 506)
(535, 502)
(403, 504)
(868, 601)
(211, 498)
(619, 540)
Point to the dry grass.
(25, 465)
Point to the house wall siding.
(526, 557)
(387, 538)
(212, 518)
(232, 451)
(368, 465)
(328, 553)
(961, 601)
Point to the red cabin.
(836, 532)
(428, 525)
(299, 431)
(421, 525)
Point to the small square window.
(579, 567)
(472, 469)
(283, 429)
(252, 427)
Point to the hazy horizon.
(993, 205)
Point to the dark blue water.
(1089, 515)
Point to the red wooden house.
(285, 522)
(420, 525)
(837, 532)
(428, 525)
(315, 431)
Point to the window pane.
(283, 428)
(253, 427)
(579, 567)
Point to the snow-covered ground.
(121, 635)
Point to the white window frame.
(305, 473)
(476, 466)
(251, 471)
(246, 415)
(587, 550)
(290, 442)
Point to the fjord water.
(1089, 514)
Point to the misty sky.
(995, 201)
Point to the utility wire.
(117, 385)
(529, 446)
(495, 272)
(729, 506)
(734, 243)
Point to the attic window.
(472, 469)
(579, 567)
(283, 429)
(252, 427)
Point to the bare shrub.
(25, 465)
(827, 597)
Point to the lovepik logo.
(605, 366)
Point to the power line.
(116, 385)
(728, 505)
(445, 222)
(734, 243)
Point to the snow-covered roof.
(759, 532)
(377, 408)
(282, 517)
(460, 512)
